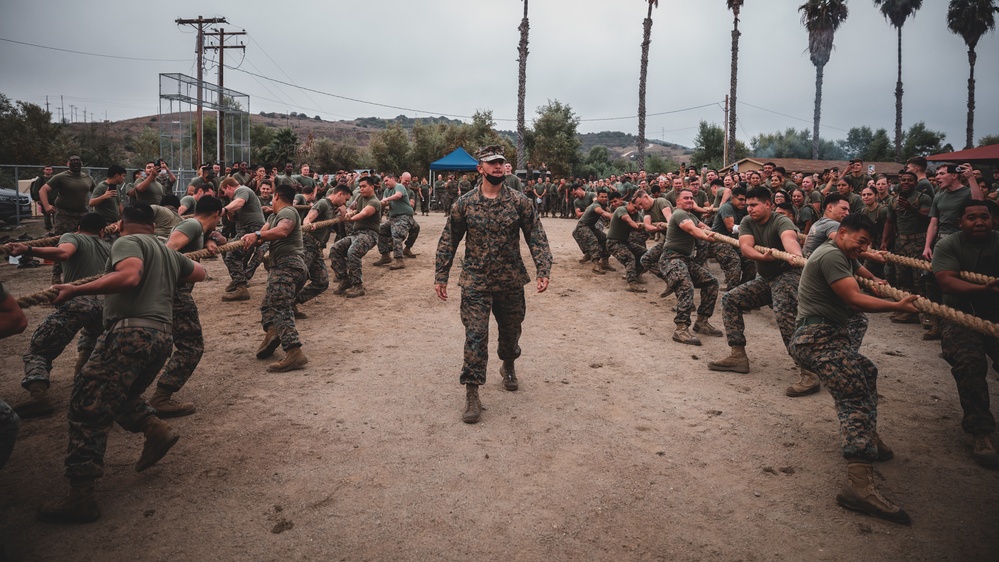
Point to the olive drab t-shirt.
(619, 230)
(162, 269)
(946, 208)
(959, 253)
(109, 207)
(816, 296)
(677, 239)
(768, 235)
(250, 216)
(292, 244)
(401, 205)
(71, 191)
(89, 259)
(152, 195)
(656, 210)
(372, 222)
(195, 234)
(189, 203)
(325, 211)
(165, 218)
(910, 222)
(727, 211)
(590, 215)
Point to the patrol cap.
(490, 153)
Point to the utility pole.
(62, 111)
(725, 152)
(199, 51)
(221, 47)
(72, 113)
(46, 103)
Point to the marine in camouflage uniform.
(394, 233)
(623, 247)
(493, 275)
(315, 241)
(346, 253)
(66, 196)
(14, 323)
(591, 241)
(906, 227)
(246, 211)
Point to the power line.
(89, 54)
(790, 116)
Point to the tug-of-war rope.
(46, 296)
(884, 290)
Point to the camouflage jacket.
(492, 259)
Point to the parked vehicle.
(10, 200)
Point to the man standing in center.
(392, 234)
(493, 274)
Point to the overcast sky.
(457, 56)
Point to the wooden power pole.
(199, 51)
(221, 47)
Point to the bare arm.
(694, 230)
(126, 275)
(62, 252)
(931, 234)
(848, 290)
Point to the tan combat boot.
(933, 333)
(37, 404)
(584, 259)
(703, 327)
(270, 343)
(355, 291)
(166, 407)
(509, 375)
(597, 269)
(808, 383)
(81, 360)
(861, 495)
(294, 359)
(397, 263)
(683, 335)
(473, 408)
(342, 287)
(905, 318)
(159, 439)
(605, 263)
(408, 252)
(384, 260)
(736, 362)
(984, 453)
(80, 506)
(636, 288)
(240, 293)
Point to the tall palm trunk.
(898, 102)
(522, 89)
(735, 77)
(643, 76)
(972, 57)
(818, 111)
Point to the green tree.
(821, 18)
(554, 140)
(896, 12)
(282, 147)
(736, 7)
(28, 136)
(261, 135)
(709, 146)
(868, 145)
(145, 147)
(390, 149)
(920, 141)
(988, 140)
(427, 145)
(525, 26)
(642, 78)
(656, 164)
(327, 156)
(971, 19)
(792, 143)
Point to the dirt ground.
(620, 444)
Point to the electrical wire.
(89, 54)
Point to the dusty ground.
(621, 444)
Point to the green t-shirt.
(325, 211)
(282, 179)
(250, 216)
(856, 204)
(195, 234)
(909, 222)
(162, 270)
(803, 215)
(372, 222)
(768, 235)
(727, 211)
(618, 229)
(513, 182)
(91, 254)
(701, 200)
(165, 218)
(656, 210)
(878, 216)
(71, 191)
(816, 297)
(152, 195)
(958, 253)
(590, 215)
(815, 197)
(304, 181)
(109, 207)
(584, 203)
(189, 203)
(946, 208)
(292, 244)
(399, 206)
(678, 239)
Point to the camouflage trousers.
(319, 278)
(592, 242)
(346, 254)
(79, 314)
(966, 350)
(242, 264)
(188, 341)
(908, 278)
(852, 379)
(284, 281)
(629, 255)
(509, 309)
(9, 424)
(650, 259)
(109, 389)
(737, 269)
(63, 222)
(780, 291)
(394, 234)
(682, 275)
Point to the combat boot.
(355, 291)
(299, 315)
(736, 362)
(80, 506)
(636, 288)
(597, 269)
(683, 335)
(584, 259)
(884, 451)
(703, 327)
(905, 318)
(81, 360)
(159, 439)
(861, 495)
(231, 286)
(808, 383)
(397, 264)
(240, 293)
(342, 287)
(408, 252)
(933, 333)
(473, 408)
(384, 260)
(270, 343)
(984, 453)
(166, 407)
(509, 375)
(605, 263)
(293, 359)
(37, 404)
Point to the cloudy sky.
(457, 56)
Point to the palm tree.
(525, 26)
(821, 18)
(735, 6)
(896, 12)
(646, 39)
(971, 19)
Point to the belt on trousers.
(810, 320)
(141, 323)
(911, 236)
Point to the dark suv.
(9, 201)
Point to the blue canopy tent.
(457, 161)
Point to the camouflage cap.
(490, 153)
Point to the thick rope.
(929, 307)
(49, 241)
(321, 224)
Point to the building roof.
(982, 153)
(808, 166)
